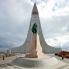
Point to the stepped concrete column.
(29, 46)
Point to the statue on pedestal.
(32, 53)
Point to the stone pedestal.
(32, 53)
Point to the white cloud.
(64, 28)
(58, 40)
(15, 10)
(53, 8)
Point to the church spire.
(35, 11)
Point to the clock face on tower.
(34, 28)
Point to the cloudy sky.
(15, 18)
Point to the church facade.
(45, 47)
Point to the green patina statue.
(34, 28)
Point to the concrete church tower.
(45, 47)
